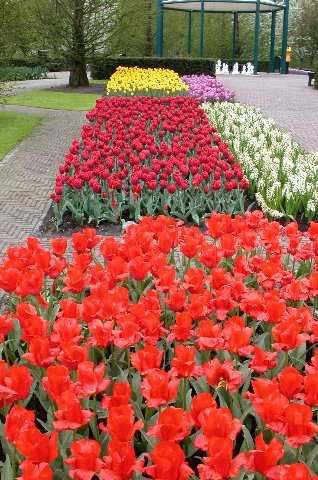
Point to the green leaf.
(222, 400)
(188, 445)
(149, 441)
(195, 217)
(312, 456)
(136, 387)
(15, 335)
(235, 406)
(199, 385)
(7, 470)
(188, 399)
(4, 444)
(282, 362)
(65, 439)
(248, 438)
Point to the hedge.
(50, 64)
(11, 74)
(103, 67)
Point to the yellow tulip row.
(145, 81)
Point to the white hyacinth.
(283, 176)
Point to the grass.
(97, 82)
(55, 100)
(14, 127)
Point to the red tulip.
(85, 461)
(168, 463)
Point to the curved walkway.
(27, 173)
(54, 79)
(285, 98)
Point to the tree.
(17, 35)
(133, 28)
(304, 31)
(82, 28)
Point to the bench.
(311, 76)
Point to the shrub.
(103, 67)
(22, 73)
(147, 155)
(49, 63)
(316, 77)
(5, 91)
(167, 354)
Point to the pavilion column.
(284, 38)
(235, 27)
(272, 47)
(202, 29)
(257, 35)
(159, 32)
(190, 33)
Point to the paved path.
(286, 98)
(55, 79)
(28, 172)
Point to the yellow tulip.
(153, 80)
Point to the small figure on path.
(218, 67)
(250, 69)
(235, 70)
(288, 58)
(225, 69)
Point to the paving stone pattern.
(28, 172)
(55, 79)
(285, 98)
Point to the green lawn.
(97, 82)
(55, 100)
(14, 127)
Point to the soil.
(68, 226)
(48, 227)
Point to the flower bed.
(166, 354)
(146, 155)
(207, 88)
(283, 176)
(129, 81)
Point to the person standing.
(288, 58)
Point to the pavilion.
(203, 7)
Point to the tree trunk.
(78, 74)
(149, 36)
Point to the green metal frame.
(273, 8)
(202, 28)
(190, 33)
(283, 65)
(272, 47)
(234, 40)
(256, 35)
(159, 33)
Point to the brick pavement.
(55, 79)
(285, 98)
(28, 172)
